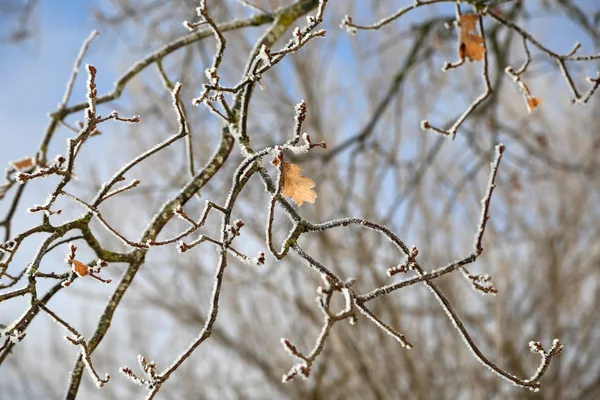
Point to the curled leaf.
(80, 268)
(471, 42)
(296, 186)
(24, 163)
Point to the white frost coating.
(515, 380)
(461, 333)
(141, 360)
(149, 152)
(275, 151)
(243, 258)
(136, 160)
(350, 281)
(399, 337)
(13, 337)
(488, 195)
(303, 372)
(66, 337)
(201, 8)
(511, 72)
(96, 268)
(535, 347)
(297, 36)
(322, 335)
(265, 55)
(213, 307)
(345, 24)
(211, 74)
(349, 302)
(259, 259)
(29, 269)
(130, 376)
(12, 334)
(96, 379)
(287, 346)
(301, 149)
(320, 33)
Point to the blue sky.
(34, 74)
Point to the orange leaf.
(471, 42)
(296, 186)
(80, 268)
(468, 22)
(533, 103)
(23, 163)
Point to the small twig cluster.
(407, 266)
(326, 292)
(150, 381)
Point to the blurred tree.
(413, 109)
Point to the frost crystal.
(265, 55)
(347, 25)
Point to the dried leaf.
(471, 42)
(296, 186)
(533, 103)
(80, 268)
(468, 22)
(24, 163)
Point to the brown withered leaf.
(471, 42)
(24, 163)
(80, 268)
(296, 186)
(533, 103)
(468, 23)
